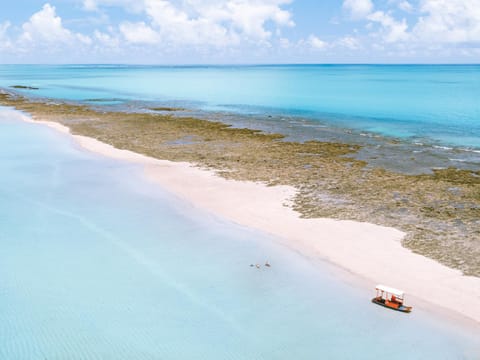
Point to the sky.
(239, 31)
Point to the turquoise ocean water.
(431, 111)
(96, 263)
(439, 104)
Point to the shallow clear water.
(96, 263)
(433, 103)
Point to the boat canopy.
(388, 289)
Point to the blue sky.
(240, 31)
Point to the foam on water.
(96, 263)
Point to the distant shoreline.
(361, 248)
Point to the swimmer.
(267, 264)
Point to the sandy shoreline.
(370, 251)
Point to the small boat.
(391, 298)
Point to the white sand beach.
(372, 252)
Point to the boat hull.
(401, 308)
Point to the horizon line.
(238, 64)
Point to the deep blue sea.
(97, 263)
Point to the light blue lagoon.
(97, 263)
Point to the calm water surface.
(96, 263)
(437, 104)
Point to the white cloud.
(317, 43)
(139, 33)
(358, 9)
(84, 39)
(439, 22)
(449, 21)
(176, 26)
(3, 29)
(4, 39)
(180, 26)
(393, 30)
(349, 42)
(405, 6)
(106, 40)
(44, 36)
(216, 22)
(90, 5)
(130, 5)
(285, 43)
(250, 16)
(229, 29)
(203, 22)
(45, 26)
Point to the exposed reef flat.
(440, 212)
(166, 108)
(24, 87)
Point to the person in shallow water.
(267, 264)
